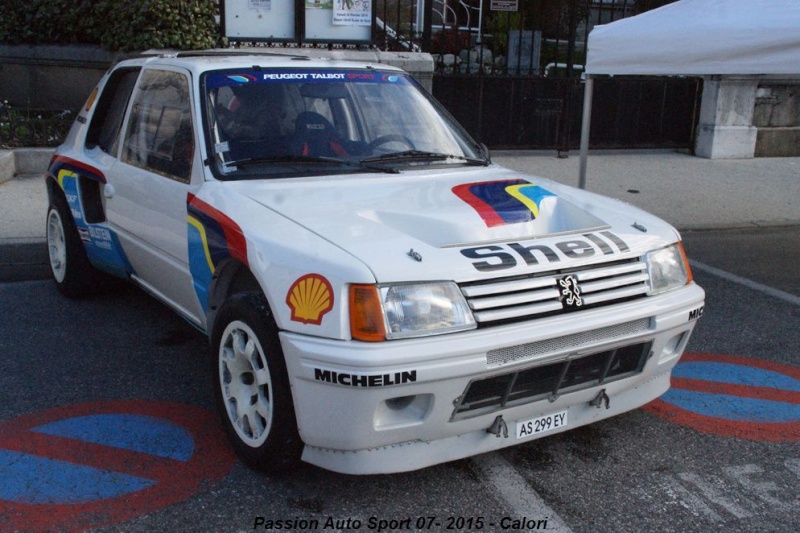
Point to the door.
(148, 186)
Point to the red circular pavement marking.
(174, 480)
(755, 431)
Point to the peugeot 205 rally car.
(379, 296)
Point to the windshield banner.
(261, 77)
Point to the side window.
(107, 119)
(160, 136)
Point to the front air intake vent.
(483, 396)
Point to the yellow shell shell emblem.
(309, 298)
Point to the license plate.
(542, 424)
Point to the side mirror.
(485, 152)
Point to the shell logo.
(309, 298)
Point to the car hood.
(432, 225)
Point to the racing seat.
(314, 135)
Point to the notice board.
(320, 21)
(259, 20)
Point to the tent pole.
(585, 127)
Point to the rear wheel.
(72, 272)
(252, 385)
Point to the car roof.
(207, 60)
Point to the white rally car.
(378, 295)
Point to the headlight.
(668, 269)
(407, 310)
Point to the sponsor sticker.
(310, 298)
(365, 380)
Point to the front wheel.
(252, 386)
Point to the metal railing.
(21, 126)
(513, 78)
(469, 37)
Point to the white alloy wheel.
(251, 384)
(246, 383)
(72, 272)
(56, 245)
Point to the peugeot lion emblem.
(570, 292)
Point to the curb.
(8, 165)
(24, 161)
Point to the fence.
(513, 77)
(500, 37)
(32, 127)
(544, 113)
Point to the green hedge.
(117, 25)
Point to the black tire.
(72, 272)
(251, 385)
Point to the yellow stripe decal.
(197, 224)
(63, 173)
(513, 190)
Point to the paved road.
(639, 471)
(768, 255)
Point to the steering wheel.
(392, 137)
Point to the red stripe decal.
(237, 245)
(486, 212)
(75, 163)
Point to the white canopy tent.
(695, 38)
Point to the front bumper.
(366, 408)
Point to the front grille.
(513, 299)
(502, 356)
(551, 380)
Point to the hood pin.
(415, 255)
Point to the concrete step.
(24, 161)
(23, 209)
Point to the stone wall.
(51, 77)
(777, 117)
(749, 116)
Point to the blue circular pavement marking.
(25, 478)
(138, 433)
(84, 466)
(734, 396)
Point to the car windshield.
(262, 122)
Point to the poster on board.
(259, 20)
(338, 21)
(352, 12)
(320, 21)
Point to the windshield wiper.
(307, 159)
(420, 155)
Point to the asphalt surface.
(635, 472)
